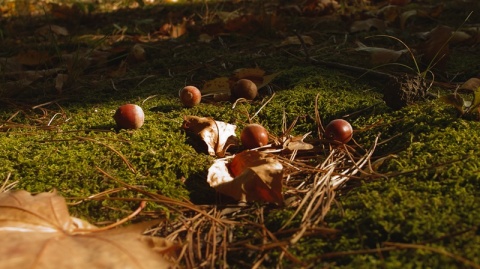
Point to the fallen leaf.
(221, 86)
(33, 57)
(432, 12)
(217, 85)
(205, 38)
(50, 29)
(217, 135)
(120, 71)
(436, 49)
(320, 7)
(297, 143)
(60, 81)
(380, 55)
(367, 25)
(256, 75)
(389, 13)
(454, 100)
(38, 232)
(261, 179)
(294, 40)
(472, 84)
(136, 54)
(459, 37)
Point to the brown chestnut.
(339, 130)
(254, 136)
(190, 96)
(244, 88)
(129, 116)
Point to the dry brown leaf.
(294, 40)
(380, 55)
(436, 48)
(217, 85)
(432, 12)
(217, 135)
(389, 13)
(261, 179)
(367, 25)
(33, 57)
(256, 75)
(459, 37)
(60, 81)
(50, 29)
(320, 7)
(222, 85)
(38, 232)
(472, 84)
(205, 38)
(136, 54)
(120, 71)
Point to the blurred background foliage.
(9, 8)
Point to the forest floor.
(409, 195)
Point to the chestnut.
(190, 96)
(254, 136)
(129, 116)
(339, 130)
(244, 88)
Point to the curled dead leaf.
(216, 135)
(472, 84)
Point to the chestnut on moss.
(190, 96)
(244, 88)
(339, 130)
(254, 136)
(129, 116)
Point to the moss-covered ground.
(423, 212)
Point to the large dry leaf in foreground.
(38, 232)
(260, 179)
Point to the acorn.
(339, 130)
(190, 96)
(129, 116)
(244, 88)
(254, 136)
